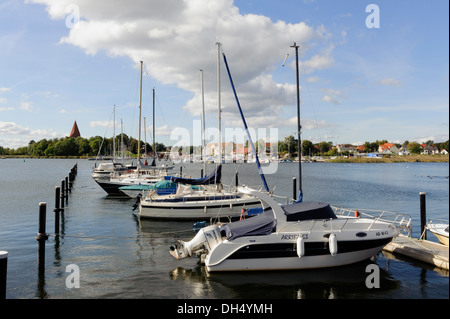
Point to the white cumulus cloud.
(176, 38)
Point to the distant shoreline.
(394, 159)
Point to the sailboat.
(208, 201)
(300, 235)
(198, 199)
(143, 175)
(104, 170)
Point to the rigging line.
(245, 126)
(104, 135)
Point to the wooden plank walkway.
(423, 250)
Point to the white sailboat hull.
(197, 210)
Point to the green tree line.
(79, 146)
(93, 146)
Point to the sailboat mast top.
(140, 107)
(154, 140)
(218, 101)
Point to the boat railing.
(401, 221)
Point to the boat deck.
(423, 250)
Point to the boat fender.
(231, 206)
(300, 246)
(204, 209)
(356, 213)
(333, 244)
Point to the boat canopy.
(262, 224)
(308, 210)
(213, 178)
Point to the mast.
(203, 125)
(121, 139)
(218, 101)
(300, 194)
(154, 143)
(145, 142)
(114, 134)
(140, 107)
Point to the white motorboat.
(439, 228)
(208, 201)
(301, 235)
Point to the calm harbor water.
(121, 256)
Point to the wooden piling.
(3, 273)
(423, 215)
(62, 193)
(42, 221)
(237, 179)
(67, 189)
(42, 237)
(57, 209)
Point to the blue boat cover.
(213, 178)
(308, 210)
(262, 224)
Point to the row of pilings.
(61, 200)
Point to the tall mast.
(121, 139)
(218, 101)
(114, 134)
(154, 143)
(203, 125)
(300, 194)
(145, 141)
(140, 107)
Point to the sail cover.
(213, 178)
(262, 224)
(308, 210)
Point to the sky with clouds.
(72, 60)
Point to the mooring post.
(42, 236)
(181, 171)
(3, 272)
(42, 221)
(67, 189)
(237, 179)
(201, 173)
(62, 193)
(423, 215)
(294, 188)
(57, 209)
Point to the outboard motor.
(207, 237)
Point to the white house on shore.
(388, 148)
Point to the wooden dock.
(423, 250)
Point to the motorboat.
(197, 199)
(439, 228)
(301, 235)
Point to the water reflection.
(340, 282)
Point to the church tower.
(75, 132)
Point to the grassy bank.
(393, 159)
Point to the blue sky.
(357, 83)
